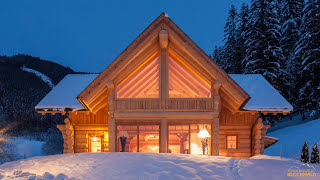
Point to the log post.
(111, 121)
(164, 136)
(163, 62)
(68, 136)
(257, 139)
(215, 87)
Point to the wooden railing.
(170, 104)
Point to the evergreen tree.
(231, 48)
(308, 53)
(291, 18)
(241, 34)
(305, 153)
(263, 52)
(315, 154)
(218, 57)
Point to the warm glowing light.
(154, 148)
(123, 134)
(94, 139)
(203, 133)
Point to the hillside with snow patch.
(291, 139)
(43, 77)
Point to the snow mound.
(149, 166)
(291, 139)
(43, 77)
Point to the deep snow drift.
(149, 166)
(291, 139)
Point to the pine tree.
(315, 154)
(291, 18)
(308, 53)
(230, 47)
(263, 51)
(217, 56)
(241, 36)
(305, 153)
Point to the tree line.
(279, 39)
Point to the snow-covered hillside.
(291, 139)
(43, 77)
(149, 166)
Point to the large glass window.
(184, 82)
(149, 138)
(190, 139)
(138, 138)
(178, 139)
(143, 82)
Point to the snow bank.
(149, 166)
(27, 148)
(43, 77)
(291, 139)
(64, 94)
(264, 97)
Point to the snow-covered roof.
(264, 97)
(64, 94)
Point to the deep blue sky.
(87, 35)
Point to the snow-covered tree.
(263, 50)
(231, 47)
(308, 53)
(305, 153)
(315, 154)
(241, 33)
(291, 18)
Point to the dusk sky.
(88, 35)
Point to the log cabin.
(163, 94)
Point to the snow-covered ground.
(43, 77)
(27, 148)
(149, 166)
(291, 139)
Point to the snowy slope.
(43, 77)
(149, 166)
(291, 139)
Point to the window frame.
(237, 142)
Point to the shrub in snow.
(305, 153)
(315, 154)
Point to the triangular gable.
(185, 84)
(147, 43)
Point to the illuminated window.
(232, 142)
(184, 82)
(143, 82)
(95, 144)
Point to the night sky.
(87, 35)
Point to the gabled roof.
(150, 34)
(264, 97)
(64, 94)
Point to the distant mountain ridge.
(21, 90)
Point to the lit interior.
(141, 84)
(146, 141)
(95, 144)
(182, 138)
(185, 84)
(232, 142)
